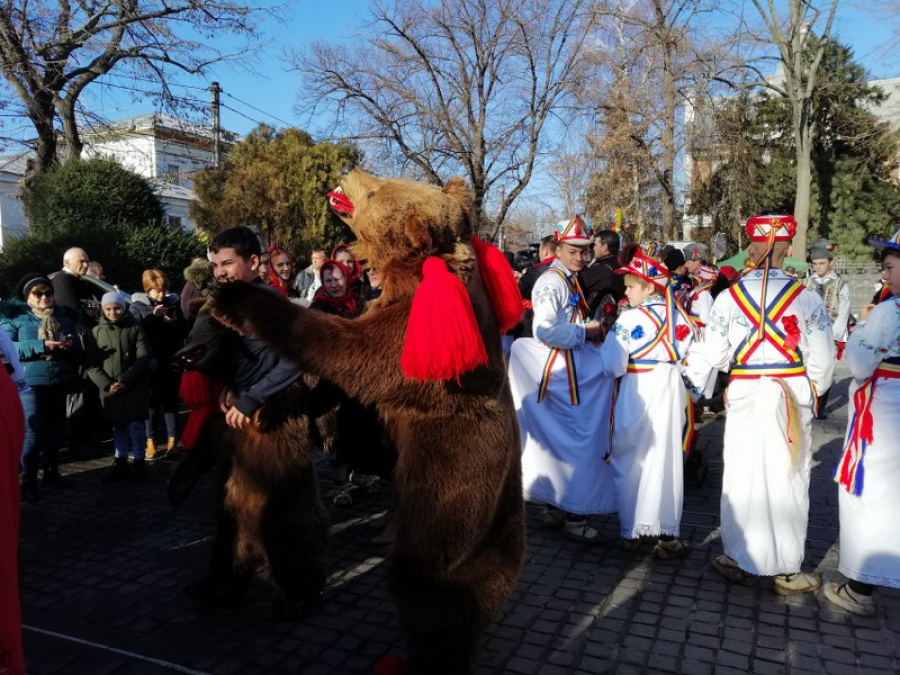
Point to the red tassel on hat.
(442, 337)
(501, 283)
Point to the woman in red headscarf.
(337, 295)
(281, 272)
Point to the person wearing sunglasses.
(45, 338)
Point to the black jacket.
(601, 279)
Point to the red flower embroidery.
(681, 332)
(792, 330)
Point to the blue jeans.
(134, 431)
(45, 423)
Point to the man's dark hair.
(610, 238)
(242, 239)
(550, 242)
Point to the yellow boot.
(170, 445)
(151, 449)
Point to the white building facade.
(163, 149)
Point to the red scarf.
(276, 281)
(346, 305)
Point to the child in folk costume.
(869, 470)
(652, 415)
(561, 396)
(776, 336)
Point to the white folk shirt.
(563, 445)
(765, 490)
(835, 293)
(650, 414)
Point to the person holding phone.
(44, 337)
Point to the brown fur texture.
(272, 493)
(460, 542)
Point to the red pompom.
(443, 340)
(389, 665)
(681, 332)
(501, 283)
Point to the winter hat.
(29, 281)
(672, 258)
(113, 298)
(820, 253)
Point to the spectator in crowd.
(308, 280)
(119, 357)
(778, 336)
(562, 397)
(95, 270)
(603, 287)
(869, 499)
(281, 273)
(546, 256)
(159, 314)
(50, 352)
(336, 295)
(652, 425)
(835, 294)
(372, 285)
(344, 255)
(12, 432)
(71, 291)
(265, 266)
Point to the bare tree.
(465, 86)
(657, 56)
(52, 51)
(800, 64)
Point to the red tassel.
(201, 395)
(442, 337)
(501, 283)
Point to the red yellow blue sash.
(579, 315)
(850, 473)
(766, 327)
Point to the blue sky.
(269, 92)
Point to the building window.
(173, 174)
(172, 221)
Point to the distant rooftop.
(152, 122)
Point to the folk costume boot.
(151, 452)
(119, 471)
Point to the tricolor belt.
(643, 365)
(850, 472)
(752, 372)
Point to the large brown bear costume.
(460, 539)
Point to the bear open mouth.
(340, 202)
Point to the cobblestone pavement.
(102, 568)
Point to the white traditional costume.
(653, 416)
(776, 337)
(561, 396)
(869, 470)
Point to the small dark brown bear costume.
(460, 540)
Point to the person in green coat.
(119, 361)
